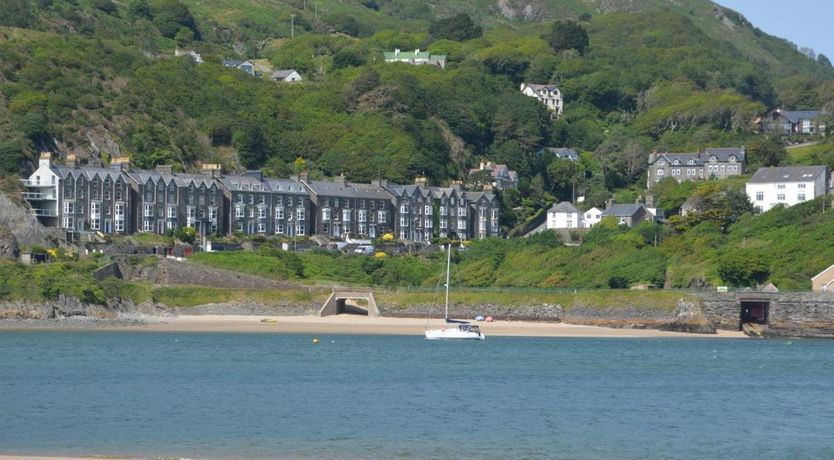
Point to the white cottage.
(787, 186)
(549, 95)
(564, 215)
(592, 217)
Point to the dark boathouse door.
(754, 311)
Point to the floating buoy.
(315, 340)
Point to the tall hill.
(98, 78)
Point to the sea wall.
(808, 314)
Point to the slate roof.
(622, 210)
(290, 186)
(537, 87)
(498, 171)
(564, 207)
(232, 62)
(348, 190)
(795, 116)
(787, 174)
(88, 173)
(564, 153)
(282, 74)
(722, 154)
(248, 183)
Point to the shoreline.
(348, 324)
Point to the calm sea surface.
(279, 396)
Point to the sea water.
(220, 396)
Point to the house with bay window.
(713, 163)
(340, 208)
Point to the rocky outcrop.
(532, 312)
(66, 307)
(19, 228)
(689, 317)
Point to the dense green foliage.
(459, 27)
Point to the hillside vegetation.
(97, 78)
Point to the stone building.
(717, 163)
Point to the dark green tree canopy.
(567, 35)
(459, 27)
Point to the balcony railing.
(32, 183)
(44, 212)
(39, 196)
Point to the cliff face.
(19, 229)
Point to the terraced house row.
(122, 200)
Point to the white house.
(564, 215)
(285, 75)
(549, 95)
(787, 186)
(592, 217)
(42, 191)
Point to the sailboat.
(453, 329)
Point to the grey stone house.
(717, 163)
(340, 208)
(94, 200)
(784, 122)
(247, 203)
(168, 202)
(627, 214)
(292, 211)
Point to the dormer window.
(732, 159)
(691, 161)
(677, 162)
(713, 159)
(662, 162)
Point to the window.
(780, 197)
(362, 216)
(95, 224)
(362, 229)
(780, 186)
(403, 221)
(361, 204)
(346, 215)
(427, 210)
(759, 196)
(169, 225)
(95, 209)
(461, 212)
(212, 214)
(251, 213)
(443, 210)
(68, 222)
(662, 162)
(146, 225)
(427, 222)
(238, 211)
(120, 225)
(404, 208)
(802, 186)
(261, 227)
(279, 228)
(659, 172)
(69, 207)
(443, 223)
(239, 198)
(461, 224)
(299, 229)
(381, 217)
(251, 198)
(172, 212)
(191, 213)
(325, 215)
(120, 211)
(800, 197)
(261, 199)
(299, 214)
(261, 213)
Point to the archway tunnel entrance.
(753, 312)
(352, 307)
(351, 303)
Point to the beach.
(356, 324)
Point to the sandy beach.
(354, 324)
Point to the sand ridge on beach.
(355, 324)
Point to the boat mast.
(448, 265)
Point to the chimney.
(164, 169)
(483, 165)
(120, 164)
(417, 51)
(341, 179)
(488, 187)
(650, 200)
(396, 52)
(652, 157)
(421, 180)
(45, 160)
(211, 169)
(303, 176)
(71, 161)
(610, 202)
(380, 182)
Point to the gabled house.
(591, 217)
(292, 211)
(787, 186)
(246, 66)
(549, 95)
(248, 203)
(627, 214)
(289, 75)
(416, 57)
(785, 122)
(503, 177)
(564, 215)
(80, 200)
(562, 153)
(713, 163)
(414, 205)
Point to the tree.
(170, 16)
(16, 13)
(823, 60)
(139, 9)
(347, 58)
(567, 35)
(744, 267)
(459, 27)
(106, 6)
(765, 152)
(184, 38)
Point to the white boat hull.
(453, 333)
